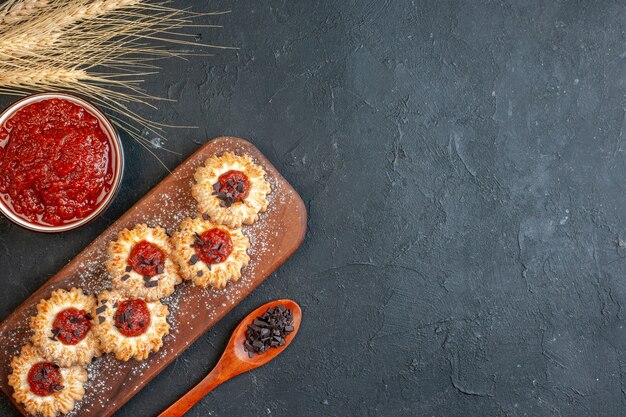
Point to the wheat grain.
(13, 11)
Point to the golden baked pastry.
(140, 264)
(62, 328)
(231, 189)
(44, 387)
(209, 253)
(130, 327)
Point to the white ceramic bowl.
(117, 153)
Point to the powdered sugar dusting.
(92, 275)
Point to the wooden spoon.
(235, 359)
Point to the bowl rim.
(118, 150)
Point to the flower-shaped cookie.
(209, 253)
(231, 189)
(44, 387)
(62, 328)
(140, 265)
(130, 327)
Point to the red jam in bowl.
(56, 163)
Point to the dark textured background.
(464, 168)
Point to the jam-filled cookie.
(62, 328)
(209, 253)
(130, 327)
(140, 265)
(231, 189)
(44, 387)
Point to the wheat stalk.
(100, 49)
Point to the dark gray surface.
(464, 168)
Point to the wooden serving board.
(273, 238)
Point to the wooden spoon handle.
(212, 380)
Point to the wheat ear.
(16, 11)
(44, 30)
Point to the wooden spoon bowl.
(235, 359)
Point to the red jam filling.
(55, 162)
(147, 259)
(213, 246)
(233, 186)
(132, 317)
(44, 378)
(71, 326)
